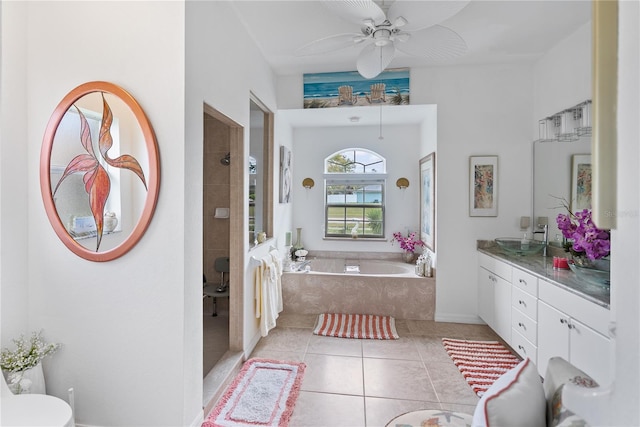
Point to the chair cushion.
(514, 399)
(559, 372)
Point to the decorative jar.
(408, 257)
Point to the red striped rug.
(480, 362)
(356, 326)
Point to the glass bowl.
(591, 275)
(514, 245)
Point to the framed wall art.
(99, 171)
(428, 201)
(580, 182)
(285, 174)
(483, 186)
(349, 88)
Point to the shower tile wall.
(215, 195)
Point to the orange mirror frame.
(94, 167)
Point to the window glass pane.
(373, 224)
(355, 161)
(355, 206)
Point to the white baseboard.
(252, 344)
(458, 318)
(199, 419)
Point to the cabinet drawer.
(526, 303)
(524, 325)
(523, 347)
(591, 314)
(495, 266)
(525, 281)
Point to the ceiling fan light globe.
(401, 37)
(399, 22)
(369, 23)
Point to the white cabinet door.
(494, 302)
(553, 335)
(485, 296)
(590, 351)
(502, 308)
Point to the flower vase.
(408, 257)
(581, 260)
(298, 244)
(29, 381)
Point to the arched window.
(354, 194)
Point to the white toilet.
(33, 409)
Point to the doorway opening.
(223, 211)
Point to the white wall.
(13, 162)
(562, 78)
(483, 110)
(625, 270)
(121, 323)
(223, 75)
(399, 146)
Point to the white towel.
(277, 261)
(268, 294)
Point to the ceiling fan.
(406, 25)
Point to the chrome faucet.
(545, 238)
(301, 266)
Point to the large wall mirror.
(260, 171)
(561, 171)
(99, 171)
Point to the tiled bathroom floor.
(358, 383)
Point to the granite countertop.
(542, 267)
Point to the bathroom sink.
(515, 245)
(592, 275)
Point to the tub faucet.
(545, 237)
(302, 265)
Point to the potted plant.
(586, 242)
(23, 364)
(408, 244)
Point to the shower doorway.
(223, 211)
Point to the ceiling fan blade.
(374, 59)
(424, 14)
(435, 43)
(328, 44)
(356, 11)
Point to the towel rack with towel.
(268, 289)
(257, 262)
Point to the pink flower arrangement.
(408, 243)
(585, 237)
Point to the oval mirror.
(99, 171)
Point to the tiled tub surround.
(543, 267)
(361, 266)
(401, 294)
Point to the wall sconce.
(308, 183)
(402, 183)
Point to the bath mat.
(356, 326)
(263, 394)
(480, 362)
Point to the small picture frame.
(580, 182)
(483, 186)
(428, 201)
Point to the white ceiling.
(495, 32)
(504, 31)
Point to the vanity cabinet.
(494, 295)
(575, 329)
(541, 319)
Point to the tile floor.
(358, 383)
(215, 332)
